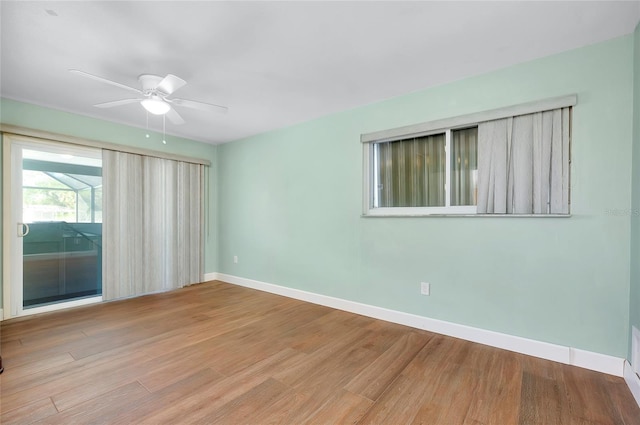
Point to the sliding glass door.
(56, 193)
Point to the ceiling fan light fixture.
(155, 105)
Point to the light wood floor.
(217, 353)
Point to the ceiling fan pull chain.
(147, 135)
(164, 140)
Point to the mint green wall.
(634, 298)
(290, 206)
(40, 118)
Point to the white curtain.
(523, 164)
(152, 224)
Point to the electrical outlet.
(235, 259)
(425, 288)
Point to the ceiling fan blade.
(198, 105)
(104, 80)
(170, 83)
(116, 103)
(174, 117)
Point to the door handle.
(23, 230)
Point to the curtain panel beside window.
(523, 164)
(152, 224)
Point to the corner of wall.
(634, 287)
(216, 206)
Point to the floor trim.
(210, 276)
(633, 381)
(572, 356)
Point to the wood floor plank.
(28, 413)
(543, 399)
(101, 410)
(52, 362)
(239, 409)
(344, 346)
(10, 346)
(320, 384)
(104, 361)
(416, 385)
(219, 353)
(590, 399)
(167, 398)
(397, 404)
(174, 371)
(377, 376)
(198, 406)
(498, 388)
(343, 408)
(70, 381)
(36, 352)
(321, 332)
(287, 408)
(627, 412)
(102, 385)
(451, 397)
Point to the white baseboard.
(210, 276)
(633, 381)
(596, 361)
(567, 355)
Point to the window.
(508, 161)
(419, 172)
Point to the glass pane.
(48, 205)
(32, 178)
(84, 206)
(60, 196)
(90, 205)
(93, 181)
(61, 262)
(62, 253)
(464, 166)
(97, 207)
(69, 180)
(410, 172)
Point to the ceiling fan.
(154, 95)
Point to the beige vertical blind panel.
(152, 224)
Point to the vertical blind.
(464, 167)
(152, 224)
(411, 172)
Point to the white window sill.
(387, 213)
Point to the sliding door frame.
(12, 204)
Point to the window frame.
(447, 208)
(368, 140)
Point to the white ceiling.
(275, 64)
